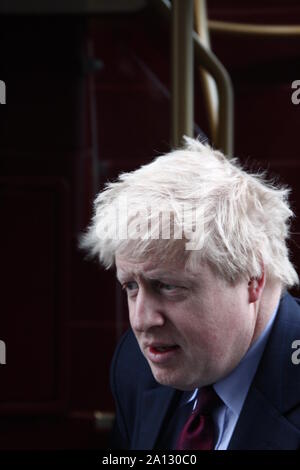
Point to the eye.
(167, 287)
(129, 286)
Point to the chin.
(164, 378)
(169, 379)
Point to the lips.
(162, 353)
(164, 348)
(161, 347)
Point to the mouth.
(163, 348)
(161, 353)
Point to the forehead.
(152, 270)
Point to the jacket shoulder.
(130, 376)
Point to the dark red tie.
(198, 431)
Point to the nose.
(146, 312)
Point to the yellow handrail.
(211, 63)
(182, 98)
(208, 83)
(253, 29)
(207, 59)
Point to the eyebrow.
(149, 274)
(153, 275)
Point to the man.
(199, 246)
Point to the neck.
(265, 306)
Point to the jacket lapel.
(262, 427)
(267, 420)
(155, 404)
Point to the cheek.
(234, 333)
(212, 331)
(201, 334)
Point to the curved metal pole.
(209, 85)
(210, 62)
(254, 29)
(226, 112)
(182, 104)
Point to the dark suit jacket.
(270, 417)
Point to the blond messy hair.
(245, 218)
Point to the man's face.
(192, 328)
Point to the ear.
(256, 287)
